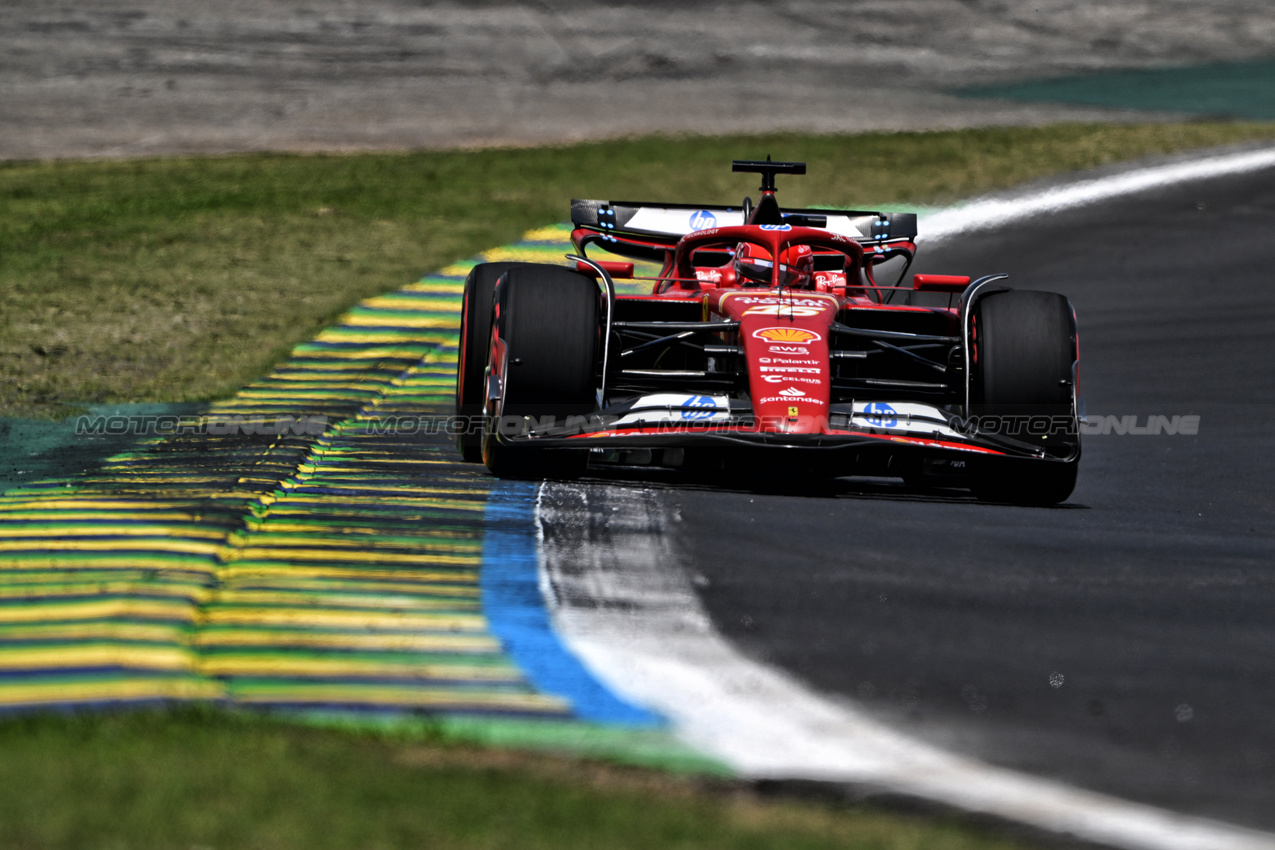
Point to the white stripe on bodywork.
(627, 609)
(907, 417)
(675, 407)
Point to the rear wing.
(677, 220)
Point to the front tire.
(547, 318)
(1023, 352)
(471, 357)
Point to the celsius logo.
(699, 407)
(799, 336)
(702, 220)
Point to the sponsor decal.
(675, 407)
(792, 411)
(793, 392)
(704, 407)
(806, 370)
(782, 310)
(788, 349)
(788, 361)
(770, 399)
(786, 378)
(789, 335)
(881, 415)
(770, 299)
(907, 416)
(708, 275)
(776, 227)
(702, 220)
(830, 278)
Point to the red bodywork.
(784, 333)
(710, 359)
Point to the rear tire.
(548, 320)
(1022, 357)
(471, 358)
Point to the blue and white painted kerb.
(514, 602)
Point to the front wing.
(679, 421)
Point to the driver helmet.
(753, 266)
(797, 266)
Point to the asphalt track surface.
(1122, 642)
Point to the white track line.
(624, 605)
(993, 212)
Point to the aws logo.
(792, 336)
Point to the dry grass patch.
(197, 777)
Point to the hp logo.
(699, 407)
(702, 220)
(881, 415)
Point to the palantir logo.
(881, 415)
(703, 220)
(699, 407)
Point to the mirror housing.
(940, 282)
(613, 268)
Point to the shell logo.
(793, 335)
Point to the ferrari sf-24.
(767, 346)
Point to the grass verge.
(172, 280)
(206, 778)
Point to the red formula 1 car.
(766, 345)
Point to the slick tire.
(475, 337)
(548, 319)
(1023, 352)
